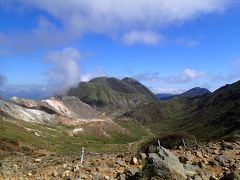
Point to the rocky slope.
(30, 115)
(64, 111)
(65, 105)
(212, 161)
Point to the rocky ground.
(211, 161)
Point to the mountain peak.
(197, 91)
(105, 91)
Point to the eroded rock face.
(67, 106)
(165, 165)
(25, 114)
(69, 111)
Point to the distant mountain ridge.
(197, 91)
(208, 116)
(111, 92)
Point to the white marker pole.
(184, 144)
(159, 144)
(82, 156)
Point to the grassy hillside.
(56, 138)
(106, 92)
(209, 117)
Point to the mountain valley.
(111, 116)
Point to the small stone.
(152, 149)
(75, 168)
(213, 178)
(98, 177)
(29, 174)
(15, 167)
(55, 174)
(107, 178)
(226, 145)
(121, 163)
(134, 161)
(121, 176)
(199, 154)
(183, 159)
(201, 165)
(180, 148)
(66, 173)
(205, 156)
(37, 160)
(215, 152)
(82, 176)
(226, 169)
(213, 163)
(142, 156)
(65, 166)
(197, 177)
(131, 171)
(205, 161)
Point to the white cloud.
(46, 35)
(142, 37)
(132, 21)
(193, 74)
(106, 15)
(158, 90)
(186, 76)
(148, 76)
(65, 71)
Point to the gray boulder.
(165, 165)
(227, 145)
(231, 176)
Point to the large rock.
(165, 165)
(231, 176)
(227, 145)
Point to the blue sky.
(170, 46)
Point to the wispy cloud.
(186, 76)
(45, 36)
(3, 80)
(142, 37)
(187, 42)
(158, 90)
(148, 76)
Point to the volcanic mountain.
(112, 93)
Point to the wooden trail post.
(82, 156)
